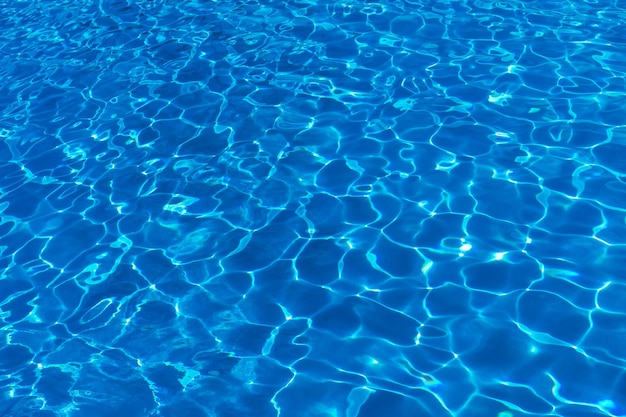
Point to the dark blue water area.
(312, 208)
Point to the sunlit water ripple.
(307, 209)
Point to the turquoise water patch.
(309, 209)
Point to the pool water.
(312, 208)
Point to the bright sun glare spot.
(465, 247)
(499, 98)
(606, 404)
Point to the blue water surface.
(312, 208)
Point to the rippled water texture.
(312, 208)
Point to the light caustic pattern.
(312, 208)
